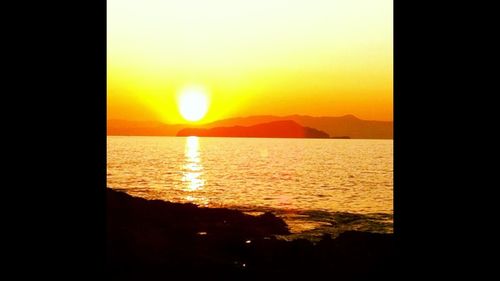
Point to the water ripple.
(313, 184)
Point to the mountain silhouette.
(277, 129)
(141, 128)
(343, 126)
(348, 126)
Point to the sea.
(316, 185)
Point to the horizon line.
(249, 116)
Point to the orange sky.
(277, 57)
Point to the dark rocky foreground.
(152, 239)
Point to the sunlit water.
(316, 185)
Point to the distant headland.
(276, 129)
(343, 127)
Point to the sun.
(193, 103)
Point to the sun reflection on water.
(290, 175)
(193, 171)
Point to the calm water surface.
(316, 185)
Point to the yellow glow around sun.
(260, 57)
(193, 103)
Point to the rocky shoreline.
(153, 239)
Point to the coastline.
(152, 238)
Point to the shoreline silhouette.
(148, 239)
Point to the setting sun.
(230, 123)
(193, 103)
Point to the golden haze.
(314, 57)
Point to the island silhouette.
(347, 127)
(276, 129)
